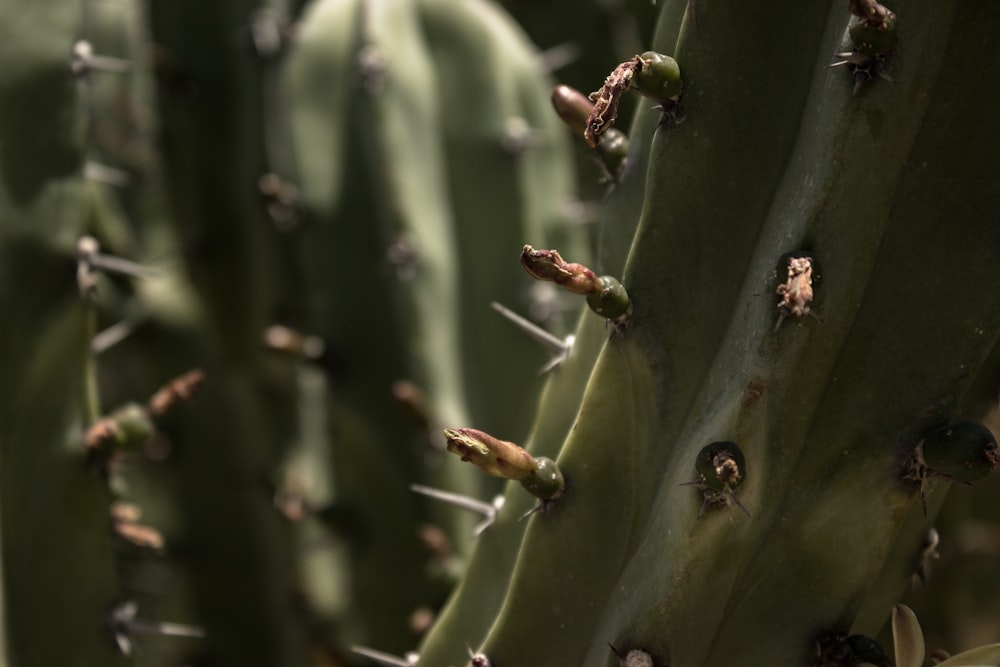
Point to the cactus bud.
(541, 476)
(128, 426)
(491, 455)
(612, 301)
(614, 151)
(657, 76)
(964, 451)
(605, 295)
(573, 107)
(871, 38)
(546, 481)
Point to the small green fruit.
(658, 77)
(964, 451)
(611, 301)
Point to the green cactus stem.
(499, 458)
(605, 295)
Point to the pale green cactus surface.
(253, 257)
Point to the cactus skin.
(58, 577)
(425, 143)
(703, 592)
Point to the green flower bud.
(127, 427)
(657, 76)
(873, 38)
(546, 482)
(964, 451)
(611, 301)
(614, 151)
(573, 107)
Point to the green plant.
(778, 154)
(313, 205)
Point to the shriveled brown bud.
(548, 265)
(491, 455)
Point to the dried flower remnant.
(797, 291)
(606, 100)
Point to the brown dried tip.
(102, 433)
(283, 339)
(605, 100)
(177, 390)
(869, 11)
(491, 455)
(548, 265)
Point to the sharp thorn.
(550, 341)
(102, 173)
(384, 658)
(559, 56)
(458, 500)
(114, 334)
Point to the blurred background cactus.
(255, 258)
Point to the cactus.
(786, 358)
(783, 161)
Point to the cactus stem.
(385, 658)
(83, 60)
(123, 623)
(488, 510)
(560, 347)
